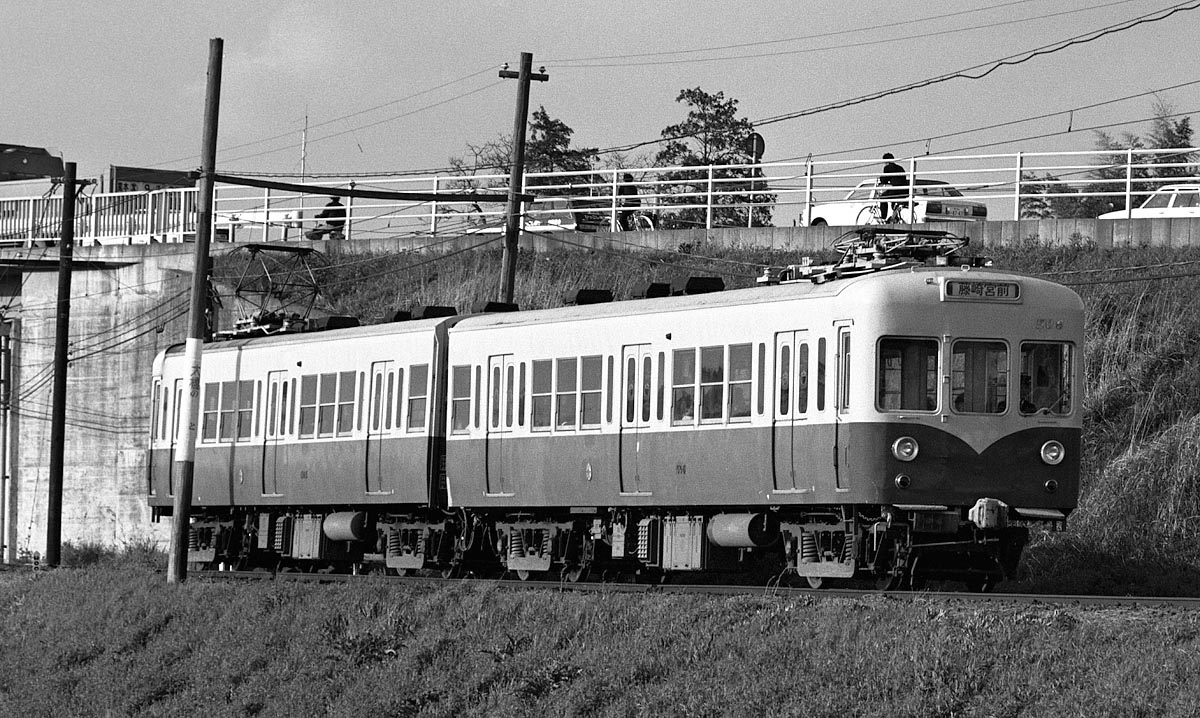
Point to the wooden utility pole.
(512, 216)
(185, 458)
(58, 406)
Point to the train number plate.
(978, 290)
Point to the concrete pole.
(185, 460)
(512, 215)
(58, 407)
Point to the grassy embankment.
(113, 639)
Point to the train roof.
(884, 282)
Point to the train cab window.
(683, 386)
(591, 383)
(418, 392)
(741, 361)
(564, 396)
(762, 378)
(460, 399)
(1046, 370)
(979, 377)
(212, 398)
(907, 374)
(542, 382)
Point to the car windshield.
(1158, 200)
(929, 188)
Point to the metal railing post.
(1129, 183)
(1017, 188)
(433, 209)
(806, 213)
(708, 220)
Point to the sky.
(400, 87)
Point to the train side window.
(608, 394)
(647, 382)
(802, 378)
(308, 405)
(390, 401)
(741, 360)
(362, 388)
(521, 398)
(228, 429)
(630, 389)
(272, 409)
(821, 374)
(509, 391)
(478, 392)
(212, 404)
(460, 399)
(785, 384)
(285, 412)
(245, 409)
(683, 386)
(542, 381)
(979, 377)
(258, 417)
(345, 405)
(662, 381)
(376, 400)
(566, 383)
(712, 383)
(156, 413)
(327, 405)
(844, 371)
(1046, 371)
(762, 378)
(495, 419)
(907, 377)
(591, 382)
(418, 391)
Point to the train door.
(381, 403)
(841, 437)
(500, 405)
(171, 429)
(790, 412)
(638, 369)
(276, 426)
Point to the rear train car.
(313, 448)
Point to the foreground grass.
(117, 641)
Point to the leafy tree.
(712, 134)
(547, 149)
(1111, 174)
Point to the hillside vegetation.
(1139, 513)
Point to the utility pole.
(185, 461)
(58, 410)
(512, 215)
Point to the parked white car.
(933, 201)
(1175, 200)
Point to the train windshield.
(1046, 378)
(907, 378)
(979, 377)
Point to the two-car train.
(899, 426)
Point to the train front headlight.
(905, 448)
(1053, 452)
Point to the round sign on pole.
(756, 146)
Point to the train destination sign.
(978, 290)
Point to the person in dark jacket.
(334, 216)
(893, 176)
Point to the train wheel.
(817, 582)
(574, 574)
(523, 575)
(454, 570)
(981, 584)
(888, 582)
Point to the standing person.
(893, 176)
(628, 192)
(334, 215)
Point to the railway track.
(1180, 602)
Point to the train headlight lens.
(1051, 486)
(903, 481)
(906, 448)
(1053, 453)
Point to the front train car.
(897, 426)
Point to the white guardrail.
(672, 197)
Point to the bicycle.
(872, 214)
(634, 221)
